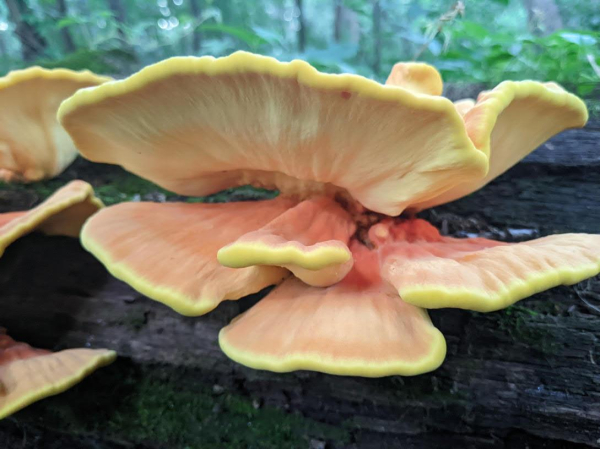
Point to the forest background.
(482, 41)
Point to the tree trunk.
(376, 36)
(64, 31)
(118, 9)
(3, 49)
(301, 27)
(346, 27)
(543, 16)
(196, 11)
(337, 20)
(33, 44)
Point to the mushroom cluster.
(28, 374)
(353, 161)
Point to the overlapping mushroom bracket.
(33, 145)
(28, 374)
(348, 156)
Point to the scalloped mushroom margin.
(341, 367)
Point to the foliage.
(472, 40)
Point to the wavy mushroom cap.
(28, 374)
(33, 145)
(63, 213)
(198, 125)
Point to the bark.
(543, 16)
(33, 44)
(196, 11)
(524, 377)
(63, 11)
(301, 26)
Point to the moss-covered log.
(528, 376)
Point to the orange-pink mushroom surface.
(349, 156)
(33, 145)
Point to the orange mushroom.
(28, 374)
(33, 145)
(348, 156)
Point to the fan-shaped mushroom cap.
(28, 374)
(199, 125)
(63, 213)
(168, 251)
(33, 145)
(432, 271)
(509, 122)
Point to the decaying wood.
(525, 377)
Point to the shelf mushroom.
(349, 156)
(33, 146)
(28, 374)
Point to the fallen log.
(527, 376)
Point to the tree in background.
(472, 40)
(543, 16)
(32, 42)
(63, 12)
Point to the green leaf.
(250, 38)
(67, 21)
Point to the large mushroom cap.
(199, 125)
(33, 145)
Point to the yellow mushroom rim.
(28, 375)
(32, 73)
(63, 213)
(241, 255)
(336, 330)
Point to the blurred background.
(481, 41)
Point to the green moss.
(127, 187)
(522, 324)
(136, 319)
(122, 186)
(593, 108)
(125, 403)
(43, 189)
(98, 61)
(242, 193)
